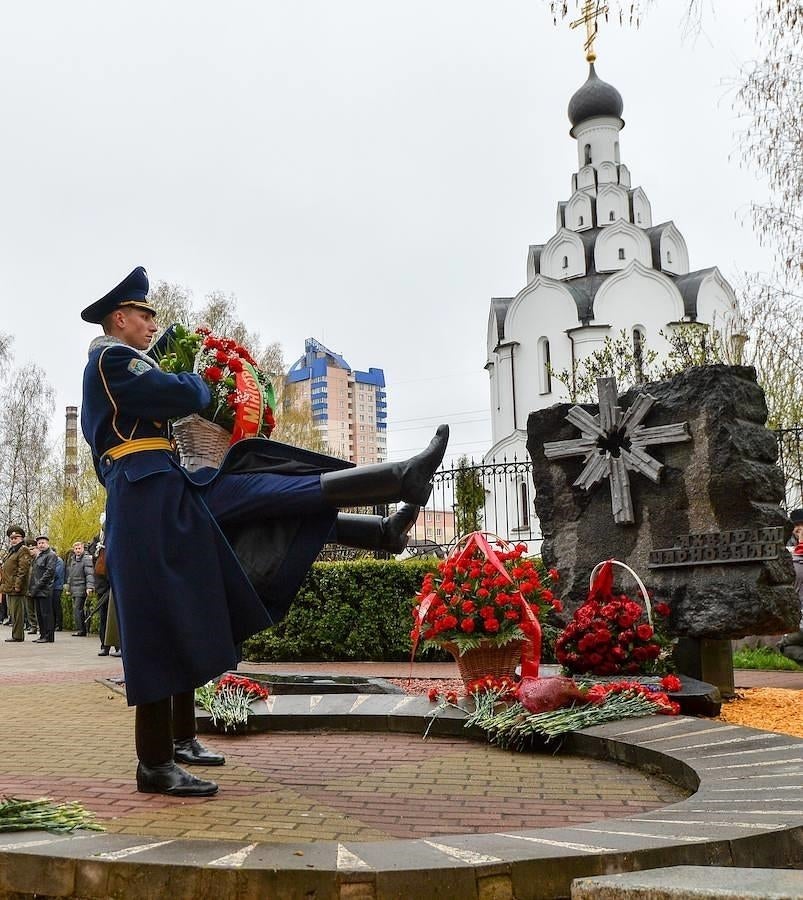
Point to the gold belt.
(128, 447)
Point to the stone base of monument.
(707, 659)
(300, 683)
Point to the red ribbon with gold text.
(248, 417)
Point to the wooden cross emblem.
(613, 443)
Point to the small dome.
(595, 98)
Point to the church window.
(610, 216)
(638, 218)
(638, 354)
(616, 151)
(669, 256)
(524, 506)
(587, 153)
(545, 360)
(579, 220)
(565, 262)
(621, 253)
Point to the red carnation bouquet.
(243, 399)
(613, 634)
(483, 593)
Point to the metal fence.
(506, 506)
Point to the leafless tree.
(25, 490)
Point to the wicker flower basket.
(200, 442)
(487, 659)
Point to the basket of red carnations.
(242, 396)
(613, 634)
(483, 606)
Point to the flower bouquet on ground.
(229, 700)
(45, 814)
(614, 634)
(537, 710)
(483, 605)
(243, 399)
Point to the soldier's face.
(137, 328)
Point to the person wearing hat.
(257, 523)
(14, 581)
(40, 589)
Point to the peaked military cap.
(15, 529)
(131, 291)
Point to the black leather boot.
(409, 480)
(191, 752)
(168, 778)
(388, 533)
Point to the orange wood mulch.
(771, 709)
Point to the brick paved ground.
(66, 736)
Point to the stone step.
(690, 882)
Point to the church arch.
(673, 250)
(564, 244)
(618, 245)
(607, 174)
(586, 178)
(642, 211)
(612, 204)
(624, 175)
(578, 211)
(639, 287)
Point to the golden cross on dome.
(589, 14)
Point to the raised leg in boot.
(409, 480)
(187, 749)
(389, 533)
(157, 773)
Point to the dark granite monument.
(692, 503)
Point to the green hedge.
(358, 610)
(67, 616)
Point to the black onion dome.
(595, 98)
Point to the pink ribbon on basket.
(531, 651)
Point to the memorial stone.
(698, 516)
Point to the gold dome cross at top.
(591, 11)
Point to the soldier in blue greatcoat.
(200, 561)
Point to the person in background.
(791, 645)
(58, 588)
(40, 588)
(81, 584)
(5, 619)
(14, 581)
(102, 588)
(31, 621)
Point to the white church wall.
(618, 245)
(579, 215)
(563, 256)
(612, 204)
(674, 253)
(638, 295)
(587, 179)
(642, 211)
(597, 140)
(607, 173)
(716, 303)
(624, 176)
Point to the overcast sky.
(369, 173)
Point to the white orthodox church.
(607, 268)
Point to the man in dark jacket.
(40, 589)
(15, 580)
(257, 523)
(58, 587)
(80, 581)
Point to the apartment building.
(349, 407)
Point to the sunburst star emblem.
(614, 443)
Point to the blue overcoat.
(197, 561)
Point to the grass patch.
(763, 658)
